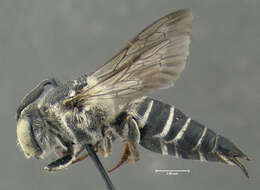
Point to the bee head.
(25, 135)
(31, 131)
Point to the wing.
(154, 59)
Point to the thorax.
(80, 124)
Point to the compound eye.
(34, 94)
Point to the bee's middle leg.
(131, 135)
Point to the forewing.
(154, 59)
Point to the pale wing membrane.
(154, 59)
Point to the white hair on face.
(24, 137)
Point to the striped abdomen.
(165, 129)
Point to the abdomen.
(167, 130)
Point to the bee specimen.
(63, 117)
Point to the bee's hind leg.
(124, 158)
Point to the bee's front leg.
(104, 146)
(68, 158)
(59, 164)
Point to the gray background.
(65, 38)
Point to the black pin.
(99, 166)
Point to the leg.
(132, 136)
(105, 146)
(68, 158)
(80, 158)
(124, 158)
(129, 131)
(58, 164)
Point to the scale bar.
(172, 172)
